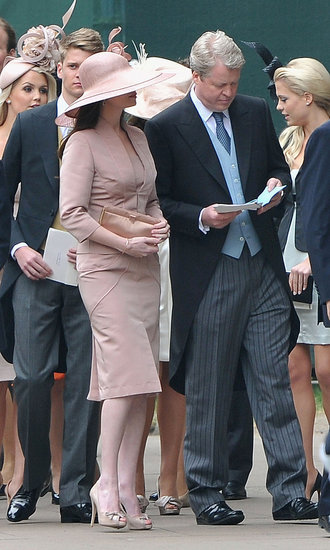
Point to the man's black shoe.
(324, 523)
(77, 513)
(299, 508)
(23, 504)
(220, 514)
(234, 491)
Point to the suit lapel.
(139, 144)
(46, 137)
(193, 131)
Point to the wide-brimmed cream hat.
(105, 75)
(154, 99)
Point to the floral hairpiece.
(117, 47)
(40, 44)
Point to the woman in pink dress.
(107, 163)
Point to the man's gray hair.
(212, 47)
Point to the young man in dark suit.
(231, 299)
(42, 307)
(314, 180)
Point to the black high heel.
(317, 486)
(55, 498)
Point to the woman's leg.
(300, 368)
(8, 440)
(322, 370)
(140, 482)
(56, 432)
(3, 391)
(18, 475)
(171, 412)
(122, 423)
(129, 452)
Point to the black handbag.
(306, 296)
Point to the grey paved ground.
(259, 531)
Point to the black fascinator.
(272, 63)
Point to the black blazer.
(314, 179)
(4, 218)
(4, 238)
(30, 157)
(190, 178)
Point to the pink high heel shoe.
(116, 520)
(138, 522)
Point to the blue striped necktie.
(222, 133)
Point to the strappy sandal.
(143, 503)
(168, 506)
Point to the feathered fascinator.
(117, 47)
(272, 63)
(153, 99)
(40, 45)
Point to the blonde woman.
(303, 92)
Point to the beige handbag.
(127, 223)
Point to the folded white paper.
(264, 198)
(57, 246)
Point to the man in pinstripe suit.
(230, 293)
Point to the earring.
(8, 101)
(308, 103)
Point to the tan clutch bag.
(127, 223)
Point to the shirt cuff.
(203, 228)
(16, 247)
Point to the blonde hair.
(303, 75)
(211, 47)
(5, 93)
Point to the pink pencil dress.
(120, 292)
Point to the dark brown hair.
(12, 42)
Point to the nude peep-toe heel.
(141, 521)
(167, 505)
(116, 520)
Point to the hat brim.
(134, 82)
(13, 70)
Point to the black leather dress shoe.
(23, 504)
(77, 513)
(299, 508)
(234, 491)
(220, 514)
(324, 523)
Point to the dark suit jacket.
(314, 181)
(30, 158)
(4, 237)
(4, 218)
(190, 178)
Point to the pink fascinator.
(40, 45)
(117, 47)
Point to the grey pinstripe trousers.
(244, 314)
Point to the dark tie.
(222, 133)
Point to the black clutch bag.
(306, 297)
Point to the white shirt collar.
(203, 111)
(61, 107)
